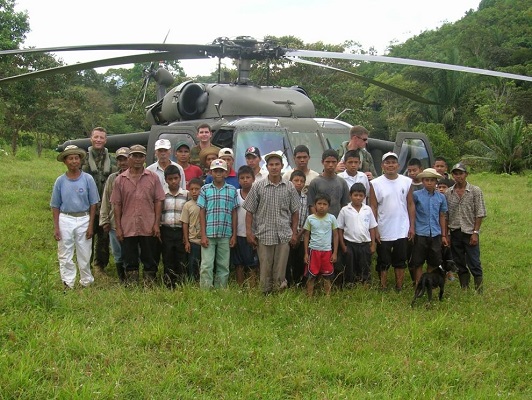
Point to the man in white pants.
(74, 201)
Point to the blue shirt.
(428, 209)
(74, 195)
(219, 205)
(321, 230)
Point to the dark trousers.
(100, 244)
(139, 247)
(194, 261)
(466, 257)
(295, 269)
(357, 262)
(174, 255)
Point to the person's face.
(163, 155)
(442, 188)
(245, 181)
(194, 191)
(301, 159)
(98, 139)
(182, 154)
(440, 167)
(459, 176)
(360, 142)
(352, 165)
(322, 206)
(429, 184)
(299, 183)
(209, 159)
(357, 198)
(274, 166)
(121, 163)
(73, 162)
(390, 166)
(252, 161)
(229, 160)
(329, 164)
(204, 135)
(218, 175)
(137, 160)
(173, 181)
(413, 171)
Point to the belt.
(76, 214)
(173, 228)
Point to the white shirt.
(160, 173)
(392, 210)
(356, 224)
(241, 215)
(360, 177)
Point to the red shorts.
(320, 263)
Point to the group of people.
(201, 216)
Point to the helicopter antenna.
(343, 111)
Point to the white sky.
(371, 22)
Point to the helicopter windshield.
(314, 144)
(266, 141)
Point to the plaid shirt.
(172, 208)
(463, 211)
(303, 210)
(272, 207)
(218, 205)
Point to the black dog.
(435, 278)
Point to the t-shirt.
(190, 216)
(191, 172)
(356, 224)
(74, 195)
(392, 210)
(320, 231)
(241, 212)
(335, 187)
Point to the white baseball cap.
(163, 144)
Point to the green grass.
(113, 342)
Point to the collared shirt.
(190, 216)
(74, 195)
(360, 177)
(231, 179)
(356, 224)
(463, 211)
(137, 199)
(366, 160)
(160, 174)
(219, 204)
(172, 208)
(303, 210)
(272, 206)
(429, 206)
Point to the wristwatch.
(477, 232)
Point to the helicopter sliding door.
(410, 145)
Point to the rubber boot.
(464, 280)
(478, 284)
(120, 272)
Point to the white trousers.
(73, 231)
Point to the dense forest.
(476, 115)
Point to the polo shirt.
(428, 209)
(219, 204)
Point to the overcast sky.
(371, 22)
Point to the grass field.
(151, 343)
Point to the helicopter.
(242, 114)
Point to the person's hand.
(377, 237)
(57, 234)
(204, 241)
(156, 231)
(334, 257)
(473, 240)
(106, 228)
(369, 175)
(445, 241)
(232, 241)
(119, 234)
(187, 247)
(293, 239)
(373, 248)
(305, 259)
(252, 240)
(340, 167)
(90, 232)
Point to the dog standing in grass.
(434, 279)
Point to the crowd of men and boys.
(201, 216)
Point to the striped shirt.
(218, 203)
(172, 208)
(272, 206)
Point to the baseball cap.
(459, 166)
(137, 148)
(252, 151)
(226, 151)
(122, 152)
(390, 154)
(277, 154)
(163, 144)
(180, 144)
(219, 163)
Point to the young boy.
(320, 232)
(430, 226)
(226, 154)
(357, 227)
(173, 248)
(192, 229)
(243, 255)
(444, 184)
(295, 269)
(351, 174)
(182, 155)
(218, 221)
(74, 200)
(414, 168)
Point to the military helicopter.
(242, 114)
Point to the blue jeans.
(217, 252)
(116, 248)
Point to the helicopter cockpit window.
(335, 140)
(413, 148)
(265, 141)
(313, 142)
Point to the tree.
(506, 148)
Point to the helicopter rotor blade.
(404, 61)
(156, 56)
(394, 89)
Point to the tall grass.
(114, 342)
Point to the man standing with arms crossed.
(99, 164)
